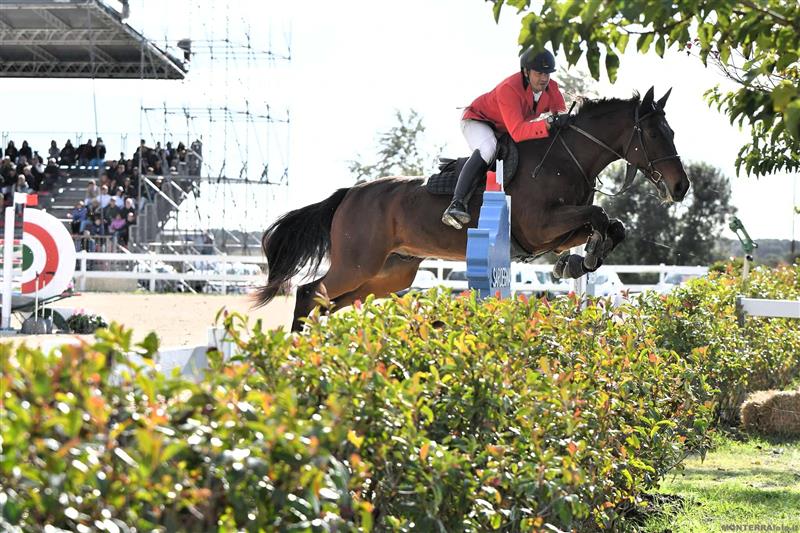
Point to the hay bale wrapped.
(772, 412)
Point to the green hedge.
(700, 318)
(423, 413)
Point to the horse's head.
(652, 149)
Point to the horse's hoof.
(561, 263)
(593, 250)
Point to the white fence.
(222, 273)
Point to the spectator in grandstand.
(117, 172)
(9, 171)
(92, 192)
(22, 185)
(99, 153)
(119, 198)
(130, 190)
(85, 153)
(104, 197)
(54, 151)
(117, 226)
(77, 216)
(96, 227)
(86, 242)
(68, 154)
(27, 174)
(11, 151)
(37, 169)
(93, 209)
(25, 150)
(129, 208)
(141, 154)
(194, 158)
(130, 220)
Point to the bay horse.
(377, 233)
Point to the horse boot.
(457, 214)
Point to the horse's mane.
(591, 107)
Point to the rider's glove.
(559, 121)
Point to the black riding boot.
(458, 213)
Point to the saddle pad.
(444, 182)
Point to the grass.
(742, 485)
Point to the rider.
(510, 107)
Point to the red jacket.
(509, 108)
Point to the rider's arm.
(514, 119)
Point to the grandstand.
(91, 39)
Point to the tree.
(399, 153)
(685, 234)
(755, 42)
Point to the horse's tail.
(299, 237)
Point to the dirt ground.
(178, 319)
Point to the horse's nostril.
(681, 189)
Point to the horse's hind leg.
(397, 274)
(352, 264)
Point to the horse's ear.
(647, 101)
(663, 100)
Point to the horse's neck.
(593, 156)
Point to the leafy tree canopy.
(754, 42)
(399, 152)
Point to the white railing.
(151, 268)
(216, 270)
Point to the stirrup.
(454, 216)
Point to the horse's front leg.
(591, 219)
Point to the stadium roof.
(76, 39)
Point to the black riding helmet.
(538, 60)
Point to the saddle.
(444, 182)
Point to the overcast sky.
(353, 64)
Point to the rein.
(650, 172)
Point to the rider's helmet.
(538, 60)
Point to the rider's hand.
(559, 121)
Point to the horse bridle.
(652, 174)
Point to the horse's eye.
(652, 133)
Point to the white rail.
(150, 267)
(766, 308)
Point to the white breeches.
(480, 136)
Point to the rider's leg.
(481, 138)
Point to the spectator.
(117, 226)
(129, 208)
(27, 173)
(119, 198)
(11, 151)
(93, 209)
(51, 173)
(77, 216)
(104, 197)
(92, 192)
(85, 153)
(130, 220)
(68, 154)
(22, 185)
(37, 169)
(26, 151)
(99, 153)
(130, 190)
(53, 152)
(97, 227)
(86, 242)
